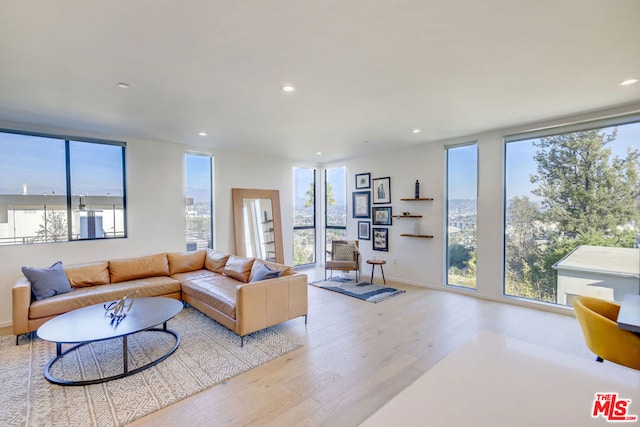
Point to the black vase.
(417, 189)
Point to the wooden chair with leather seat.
(345, 256)
(598, 320)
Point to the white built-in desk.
(493, 380)
(629, 316)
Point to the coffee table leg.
(58, 349)
(125, 354)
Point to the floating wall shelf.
(418, 199)
(407, 216)
(424, 236)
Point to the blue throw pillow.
(47, 282)
(264, 272)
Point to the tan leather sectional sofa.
(215, 283)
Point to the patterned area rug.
(208, 354)
(363, 290)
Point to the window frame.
(67, 140)
(308, 227)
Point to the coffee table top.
(92, 323)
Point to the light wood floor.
(358, 355)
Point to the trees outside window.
(569, 197)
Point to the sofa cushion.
(218, 292)
(83, 297)
(121, 270)
(263, 272)
(239, 267)
(47, 282)
(284, 270)
(191, 275)
(215, 260)
(179, 262)
(91, 274)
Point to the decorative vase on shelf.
(417, 189)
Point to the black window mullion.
(67, 158)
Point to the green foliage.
(311, 194)
(588, 198)
(582, 187)
(458, 256)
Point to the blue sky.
(521, 164)
(40, 163)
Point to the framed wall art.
(361, 204)
(363, 180)
(382, 190)
(364, 230)
(381, 215)
(381, 239)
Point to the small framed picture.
(382, 190)
(381, 239)
(364, 230)
(363, 180)
(361, 204)
(381, 215)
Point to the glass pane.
(462, 201)
(335, 196)
(33, 192)
(97, 189)
(572, 215)
(304, 181)
(199, 179)
(304, 244)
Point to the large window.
(571, 213)
(335, 194)
(199, 201)
(54, 189)
(462, 218)
(304, 216)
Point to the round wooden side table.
(375, 262)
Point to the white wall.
(155, 208)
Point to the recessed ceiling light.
(416, 131)
(123, 85)
(288, 88)
(319, 153)
(202, 133)
(629, 82)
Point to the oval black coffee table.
(91, 324)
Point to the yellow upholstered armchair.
(344, 256)
(598, 320)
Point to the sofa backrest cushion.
(181, 262)
(284, 270)
(47, 282)
(215, 260)
(121, 270)
(239, 268)
(91, 274)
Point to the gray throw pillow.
(47, 282)
(264, 272)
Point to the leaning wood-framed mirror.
(257, 223)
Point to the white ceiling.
(365, 70)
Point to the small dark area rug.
(363, 290)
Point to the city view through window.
(335, 205)
(462, 189)
(199, 201)
(571, 220)
(304, 216)
(42, 200)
